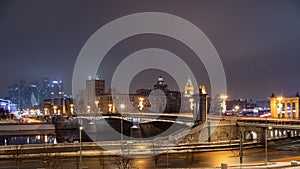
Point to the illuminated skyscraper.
(57, 89)
(94, 88)
(13, 93)
(33, 94)
(45, 88)
(23, 94)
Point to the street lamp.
(236, 107)
(266, 143)
(80, 149)
(122, 106)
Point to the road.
(277, 152)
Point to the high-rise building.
(94, 88)
(23, 94)
(167, 101)
(56, 89)
(45, 88)
(34, 93)
(13, 93)
(27, 95)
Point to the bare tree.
(155, 153)
(50, 158)
(101, 160)
(16, 154)
(190, 158)
(124, 161)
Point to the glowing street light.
(236, 107)
(80, 147)
(266, 143)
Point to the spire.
(272, 95)
(160, 79)
(189, 88)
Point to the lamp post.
(80, 147)
(266, 143)
(122, 106)
(236, 107)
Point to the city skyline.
(149, 84)
(257, 41)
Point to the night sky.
(257, 41)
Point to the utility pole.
(241, 149)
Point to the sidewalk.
(270, 165)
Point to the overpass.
(217, 129)
(184, 118)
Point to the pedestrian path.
(271, 165)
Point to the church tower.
(189, 88)
(161, 84)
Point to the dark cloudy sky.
(257, 41)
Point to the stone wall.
(225, 131)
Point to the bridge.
(185, 118)
(253, 129)
(218, 129)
